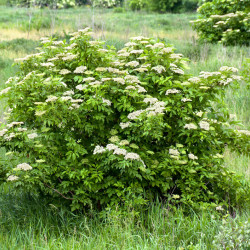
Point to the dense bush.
(107, 3)
(100, 127)
(44, 3)
(226, 21)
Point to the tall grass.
(26, 222)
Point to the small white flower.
(132, 64)
(192, 157)
(190, 126)
(49, 64)
(204, 125)
(110, 147)
(108, 102)
(119, 80)
(81, 87)
(80, 69)
(124, 142)
(2, 132)
(125, 125)
(64, 72)
(88, 79)
(134, 115)
(186, 100)
(51, 99)
(69, 92)
(24, 167)
(132, 156)
(174, 152)
(12, 178)
(120, 151)
(40, 113)
(172, 91)
(150, 100)
(32, 136)
(99, 150)
(159, 69)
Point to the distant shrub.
(164, 5)
(246, 71)
(98, 127)
(107, 3)
(227, 22)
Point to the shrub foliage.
(226, 21)
(98, 127)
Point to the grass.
(27, 223)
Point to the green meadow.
(27, 223)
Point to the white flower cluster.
(14, 124)
(108, 102)
(49, 64)
(159, 69)
(5, 91)
(3, 132)
(204, 125)
(186, 100)
(245, 132)
(194, 79)
(24, 167)
(175, 69)
(80, 69)
(190, 126)
(132, 64)
(172, 91)
(124, 125)
(205, 75)
(192, 157)
(32, 136)
(174, 152)
(51, 99)
(12, 178)
(64, 72)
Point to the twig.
(58, 192)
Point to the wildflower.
(12, 178)
(124, 142)
(158, 45)
(66, 98)
(119, 80)
(105, 79)
(40, 113)
(24, 167)
(151, 100)
(194, 79)
(87, 79)
(134, 115)
(81, 87)
(69, 92)
(190, 126)
(166, 50)
(120, 151)
(219, 208)
(22, 129)
(14, 124)
(159, 69)
(96, 83)
(176, 56)
(246, 132)
(142, 58)
(114, 138)
(141, 89)
(32, 136)
(130, 44)
(110, 147)
(64, 72)
(80, 69)
(172, 91)
(131, 87)
(174, 152)
(99, 150)
(136, 51)
(204, 125)
(141, 70)
(2, 132)
(228, 69)
(132, 79)
(10, 136)
(69, 57)
(132, 156)
(49, 64)
(177, 71)
(108, 102)
(125, 125)
(4, 91)
(51, 99)
(101, 69)
(192, 157)
(132, 64)
(200, 113)
(186, 100)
